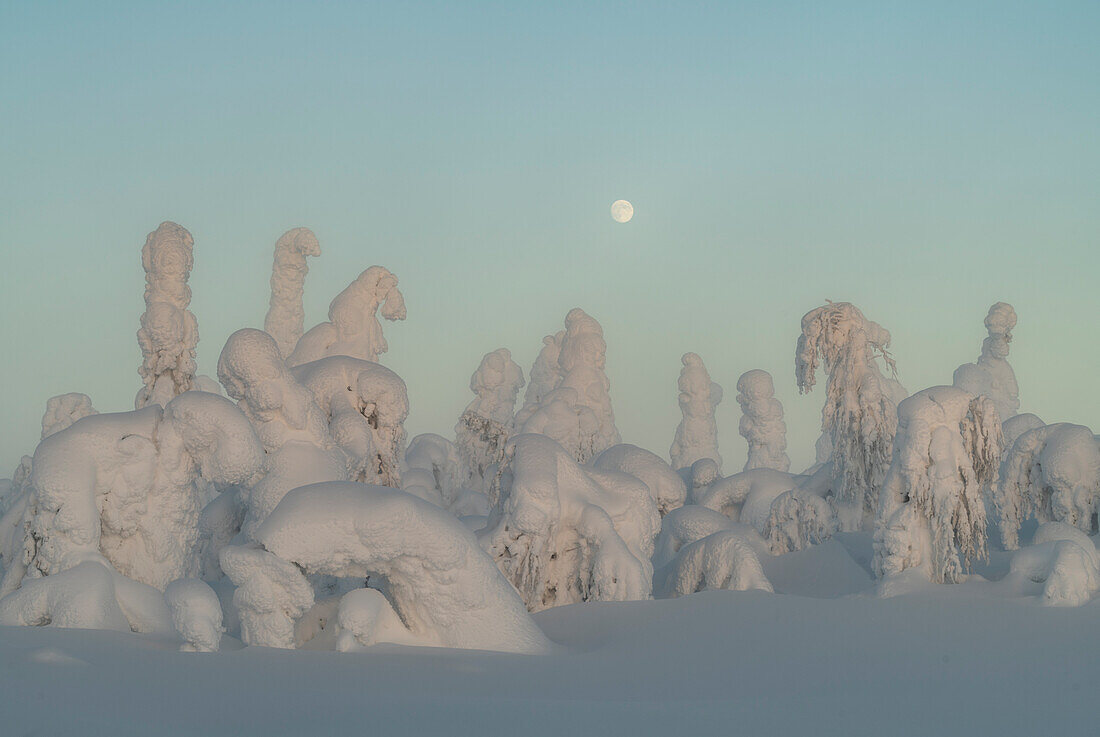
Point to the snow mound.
(685, 525)
(697, 434)
(722, 560)
(747, 496)
(65, 409)
(666, 487)
(365, 618)
(1062, 558)
(196, 614)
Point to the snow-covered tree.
(762, 423)
(1017, 425)
(486, 424)
(932, 514)
(545, 377)
(353, 328)
(697, 434)
(563, 533)
(666, 487)
(196, 614)
(860, 413)
(798, 519)
(65, 409)
(169, 332)
(285, 319)
(1051, 473)
(992, 375)
(1062, 558)
(722, 560)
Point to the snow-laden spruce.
(353, 328)
(487, 422)
(1052, 473)
(577, 412)
(697, 434)
(1064, 560)
(563, 533)
(366, 405)
(129, 487)
(544, 377)
(433, 472)
(1017, 425)
(169, 332)
(722, 560)
(762, 423)
(666, 487)
(932, 513)
(859, 418)
(437, 582)
(285, 318)
(65, 409)
(992, 375)
(799, 518)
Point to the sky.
(922, 160)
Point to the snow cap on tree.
(762, 422)
(285, 314)
(992, 375)
(697, 434)
(486, 424)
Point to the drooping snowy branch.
(932, 513)
(285, 314)
(762, 422)
(353, 328)
(697, 434)
(169, 332)
(992, 375)
(487, 423)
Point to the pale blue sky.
(922, 160)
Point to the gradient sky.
(922, 160)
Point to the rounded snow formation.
(992, 375)
(1017, 425)
(487, 423)
(722, 560)
(666, 488)
(747, 496)
(443, 587)
(285, 314)
(798, 519)
(684, 526)
(353, 328)
(196, 614)
(563, 533)
(433, 470)
(762, 423)
(65, 409)
(704, 472)
(169, 332)
(364, 617)
(366, 405)
(697, 434)
(545, 376)
(1064, 560)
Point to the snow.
(721, 560)
(285, 315)
(992, 376)
(697, 434)
(762, 422)
(196, 614)
(666, 488)
(487, 422)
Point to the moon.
(621, 211)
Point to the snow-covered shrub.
(169, 332)
(1052, 473)
(353, 328)
(666, 487)
(442, 586)
(798, 519)
(544, 378)
(722, 560)
(486, 424)
(932, 513)
(860, 413)
(762, 423)
(271, 594)
(130, 486)
(1017, 425)
(1062, 558)
(219, 522)
(196, 614)
(433, 472)
(285, 314)
(697, 434)
(577, 412)
(684, 526)
(699, 477)
(992, 376)
(365, 617)
(65, 409)
(366, 405)
(563, 533)
(747, 496)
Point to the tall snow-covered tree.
(486, 424)
(860, 413)
(544, 378)
(992, 375)
(169, 332)
(697, 434)
(762, 423)
(285, 314)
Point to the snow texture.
(353, 328)
(365, 617)
(932, 511)
(992, 376)
(366, 405)
(196, 614)
(697, 434)
(1051, 473)
(684, 526)
(487, 423)
(270, 595)
(1064, 560)
(666, 487)
(747, 496)
(169, 332)
(859, 418)
(762, 423)
(1017, 425)
(285, 319)
(798, 519)
(63, 410)
(563, 533)
(545, 376)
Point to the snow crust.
(762, 423)
(285, 318)
(697, 434)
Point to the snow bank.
(169, 332)
(722, 560)
(196, 614)
(697, 434)
(1051, 473)
(1062, 558)
(285, 314)
(486, 424)
(666, 487)
(992, 376)
(353, 328)
(762, 423)
(563, 533)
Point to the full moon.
(621, 211)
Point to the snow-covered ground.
(815, 658)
